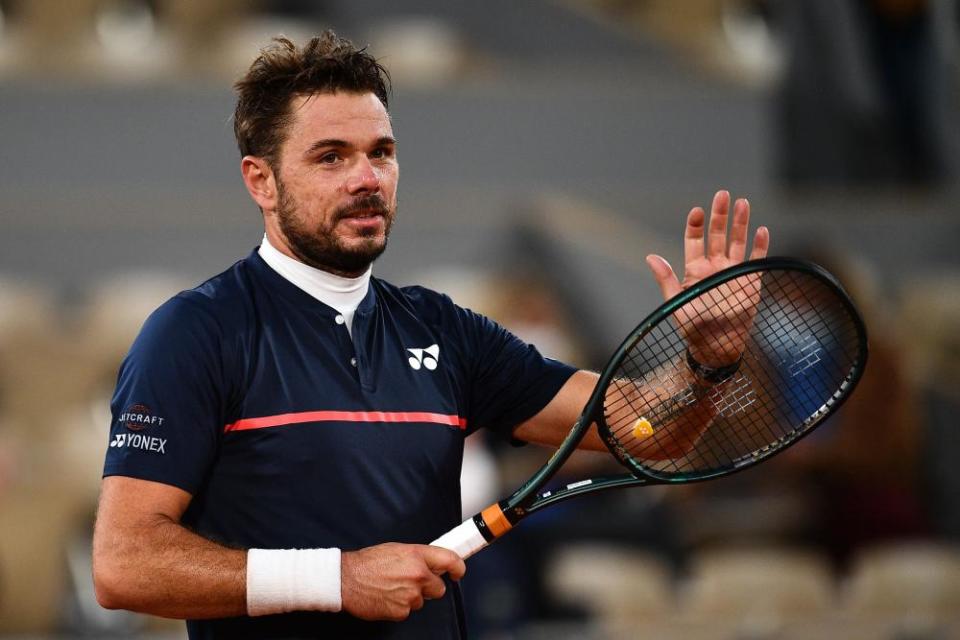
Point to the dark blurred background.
(546, 148)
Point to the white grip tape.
(465, 539)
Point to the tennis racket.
(724, 375)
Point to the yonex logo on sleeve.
(426, 358)
(139, 441)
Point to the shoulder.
(426, 302)
(214, 308)
(430, 307)
(223, 295)
(411, 294)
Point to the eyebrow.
(336, 143)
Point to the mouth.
(366, 216)
(365, 222)
(373, 212)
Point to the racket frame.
(492, 522)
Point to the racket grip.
(465, 539)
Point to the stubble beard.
(321, 248)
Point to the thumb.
(441, 561)
(664, 275)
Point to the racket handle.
(465, 539)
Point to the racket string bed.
(753, 433)
(682, 394)
(797, 345)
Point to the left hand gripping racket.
(670, 419)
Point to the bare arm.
(552, 424)
(715, 335)
(145, 560)
(679, 433)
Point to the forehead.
(353, 117)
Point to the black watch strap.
(713, 375)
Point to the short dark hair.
(326, 64)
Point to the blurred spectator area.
(547, 148)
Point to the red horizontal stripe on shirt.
(345, 416)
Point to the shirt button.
(340, 319)
(353, 361)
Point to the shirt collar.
(343, 294)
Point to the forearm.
(679, 406)
(161, 568)
(668, 416)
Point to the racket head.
(804, 354)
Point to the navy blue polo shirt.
(249, 394)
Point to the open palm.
(715, 326)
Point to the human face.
(336, 182)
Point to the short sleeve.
(510, 380)
(169, 405)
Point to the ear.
(261, 182)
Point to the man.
(288, 435)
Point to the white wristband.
(283, 580)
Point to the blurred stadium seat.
(617, 585)
(421, 50)
(762, 587)
(130, 40)
(29, 325)
(918, 581)
(24, 308)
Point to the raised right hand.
(388, 581)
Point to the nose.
(363, 179)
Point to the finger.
(433, 588)
(738, 230)
(664, 275)
(761, 243)
(416, 604)
(441, 561)
(693, 235)
(717, 232)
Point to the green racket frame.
(497, 519)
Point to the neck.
(343, 293)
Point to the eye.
(382, 153)
(329, 158)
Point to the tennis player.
(287, 435)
